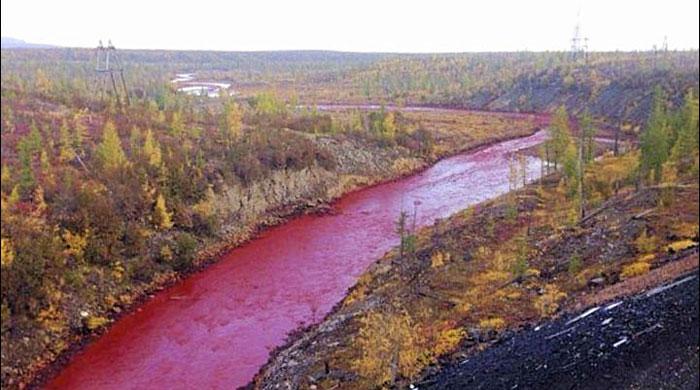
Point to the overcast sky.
(354, 25)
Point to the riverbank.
(349, 182)
(485, 272)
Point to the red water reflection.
(214, 330)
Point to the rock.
(597, 281)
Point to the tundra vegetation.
(102, 204)
(516, 260)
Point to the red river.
(214, 330)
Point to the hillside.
(14, 43)
(472, 281)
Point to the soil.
(647, 341)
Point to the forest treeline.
(617, 86)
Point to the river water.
(215, 329)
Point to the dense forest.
(102, 202)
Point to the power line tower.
(109, 72)
(579, 45)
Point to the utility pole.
(108, 68)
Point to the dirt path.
(648, 341)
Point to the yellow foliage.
(548, 303)
(463, 307)
(468, 213)
(205, 207)
(75, 243)
(439, 258)
(52, 319)
(387, 340)
(532, 273)
(161, 217)
(490, 277)
(39, 200)
(151, 149)
(110, 151)
(118, 271)
(166, 253)
(125, 299)
(647, 258)
(680, 245)
(110, 300)
(447, 341)
(96, 322)
(685, 230)
(360, 289)
(510, 294)
(495, 323)
(634, 269)
(645, 243)
(7, 252)
(483, 254)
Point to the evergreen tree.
(109, 151)
(654, 140)
(389, 126)
(26, 171)
(587, 136)
(177, 127)
(79, 132)
(34, 138)
(66, 151)
(151, 149)
(685, 149)
(560, 136)
(161, 217)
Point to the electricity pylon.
(109, 70)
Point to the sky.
(354, 25)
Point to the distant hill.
(14, 43)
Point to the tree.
(151, 149)
(408, 240)
(42, 84)
(560, 136)
(7, 252)
(79, 131)
(66, 151)
(162, 218)
(654, 140)
(685, 149)
(26, 171)
(34, 138)
(587, 136)
(401, 230)
(177, 127)
(389, 126)
(390, 347)
(109, 151)
(231, 122)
